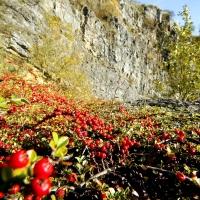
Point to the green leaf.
(52, 144)
(79, 166)
(62, 151)
(53, 197)
(143, 159)
(78, 159)
(2, 99)
(19, 174)
(85, 162)
(6, 174)
(55, 137)
(4, 106)
(198, 148)
(13, 96)
(16, 101)
(25, 101)
(38, 158)
(62, 141)
(104, 186)
(32, 155)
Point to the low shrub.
(53, 148)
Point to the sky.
(177, 6)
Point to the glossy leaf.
(16, 101)
(62, 141)
(52, 144)
(53, 197)
(2, 99)
(19, 174)
(55, 138)
(4, 106)
(25, 101)
(62, 151)
(32, 155)
(6, 174)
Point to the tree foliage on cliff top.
(183, 62)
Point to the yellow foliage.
(58, 57)
(101, 8)
(108, 7)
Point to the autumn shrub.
(102, 8)
(108, 7)
(181, 59)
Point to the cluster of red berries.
(41, 184)
(17, 160)
(196, 130)
(181, 135)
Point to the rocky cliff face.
(113, 41)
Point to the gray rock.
(191, 106)
(117, 46)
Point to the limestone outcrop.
(113, 41)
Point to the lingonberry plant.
(55, 148)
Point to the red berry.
(182, 133)
(103, 155)
(92, 146)
(85, 134)
(168, 137)
(98, 154)
(164, 135)
(180, 138)
(72, 177)
(180, 176)
(97, 142)
(80, 135)
(192, 151)
(108, 136)
(124, 142)
(157, 146)
(28, 197)
(126, 147)
(137, 144)
(92, 155)
(107, 144)
(162, 146)
(19, 159)
(7, 146)
(172, 158)
(103, 149)
(38, 198)
(176, 131)
(1, 195)
(43, 168)
(60, 193)
(103, 195)
(1, 144)
(85, 142)
(40, 186)
(15, 188)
